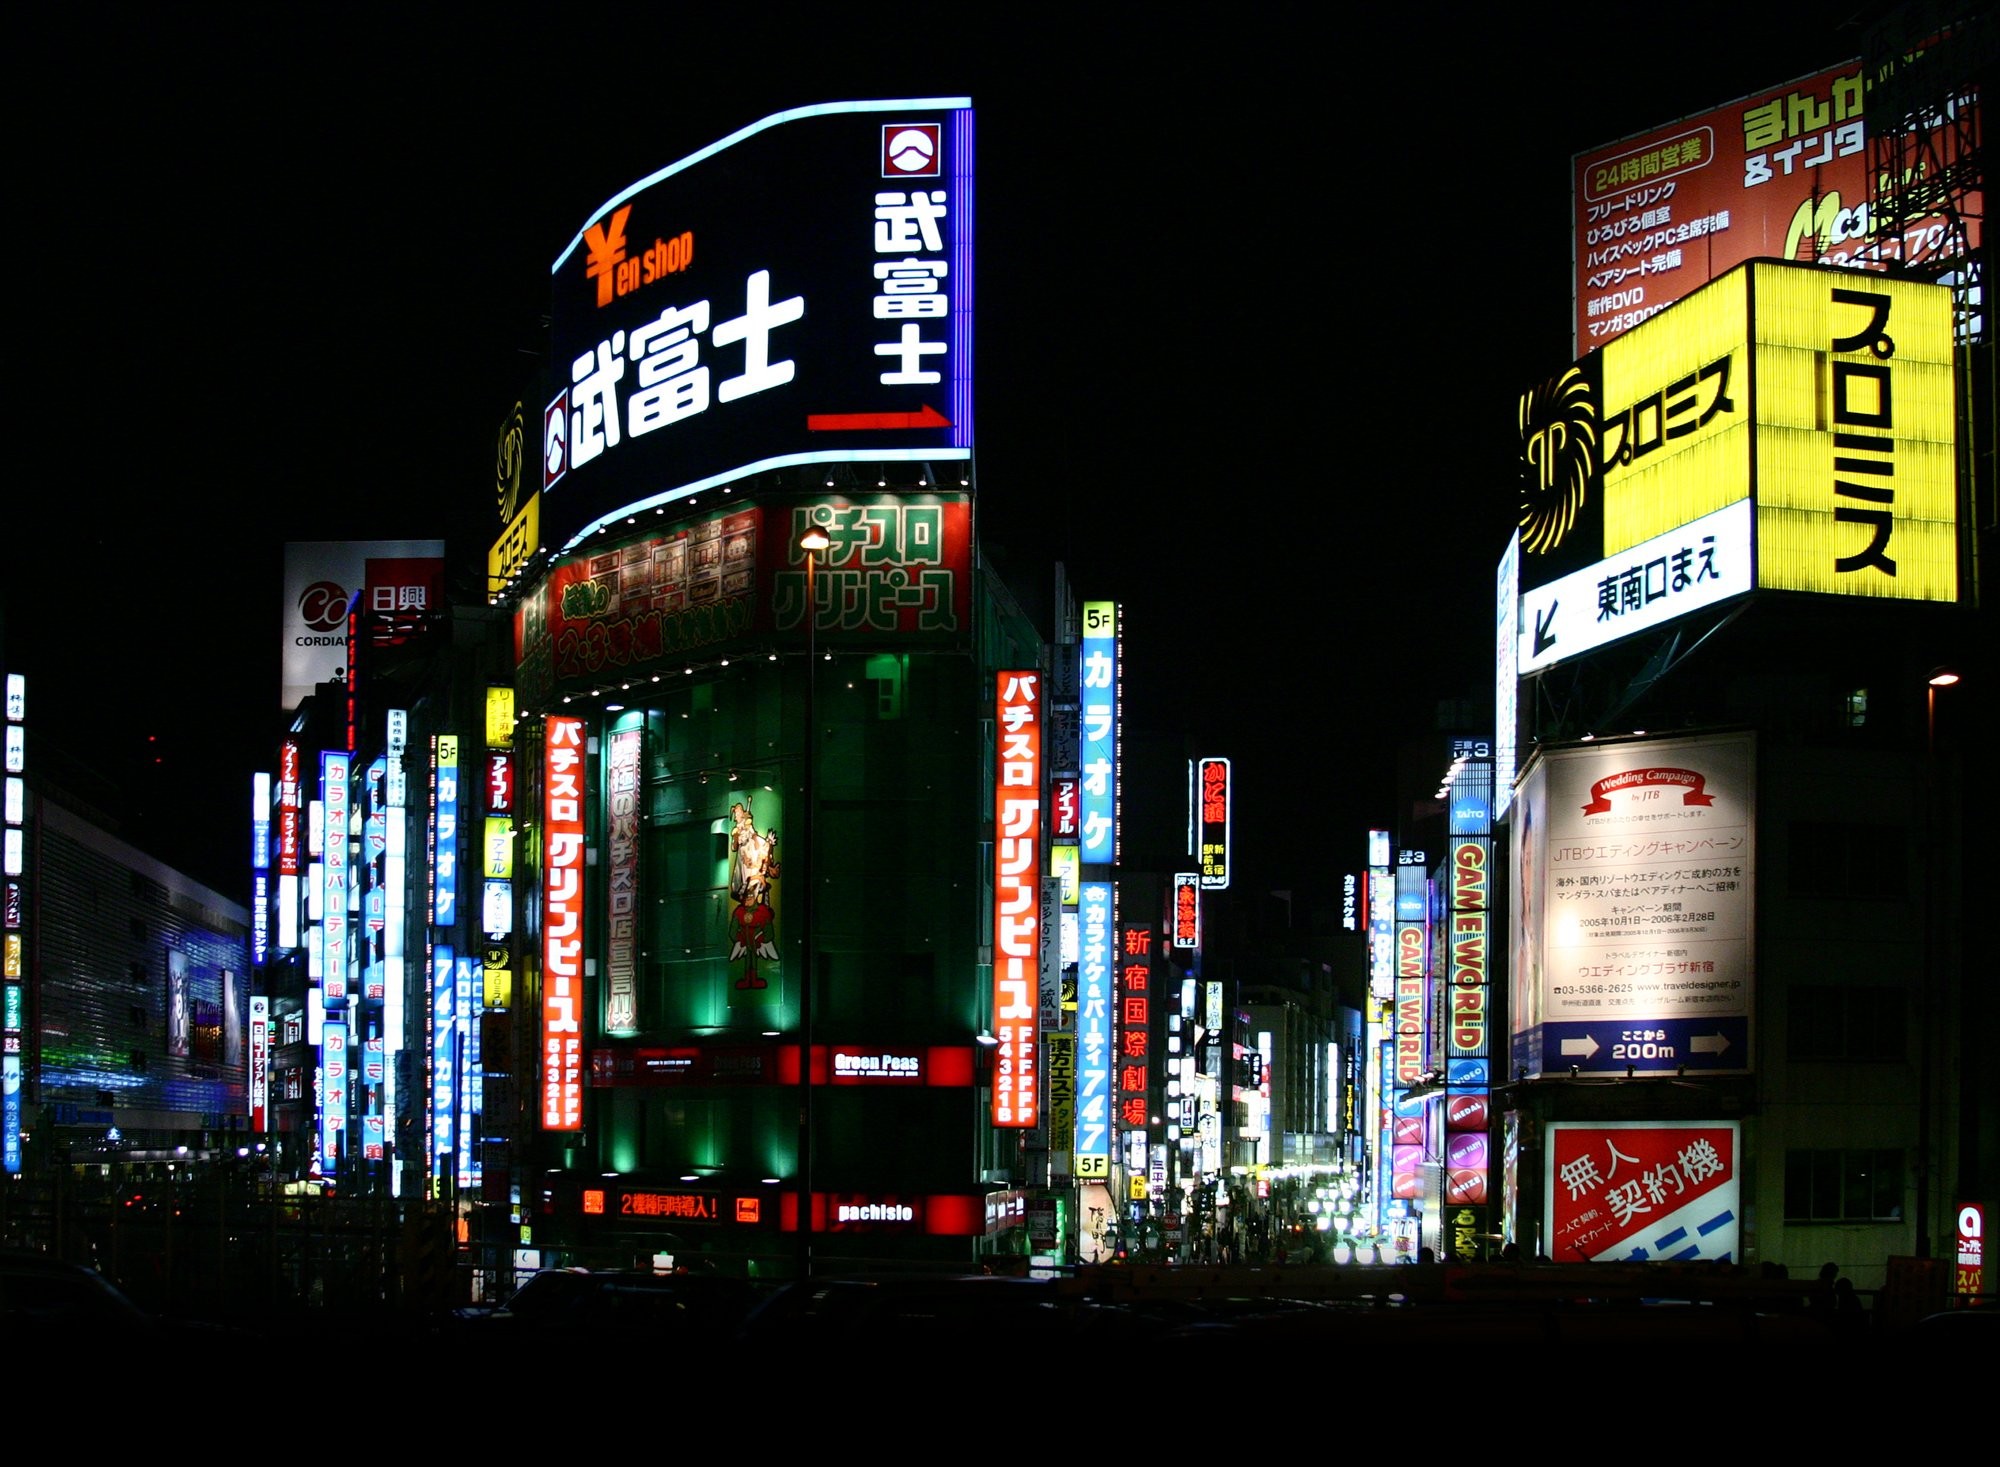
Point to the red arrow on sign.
(925, 417)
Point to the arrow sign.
(1708, 1043)
(1544, 638)
(925, 417)
(1585, 1046)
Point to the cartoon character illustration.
(753, 867)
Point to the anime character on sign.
(753, 867)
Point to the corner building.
(760, 827)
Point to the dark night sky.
(1256, 297)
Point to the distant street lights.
(813, 542)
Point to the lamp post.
(1941, 677)
(813, 542)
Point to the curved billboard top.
(799, 292)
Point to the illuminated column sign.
(260, 1063)
(13, 985)
(288, 845)
(562, 926)
(1134, 1063)
(444, 1058)
(374, 1073)
(1017, 821)
(1100, 713)
(1093, 1033)
(333, 873)
(333, 1092)
(444, 832)
(1468, 1044)
(1187, 909)
(260, 869)
(1211, 793)
(470, 1077)
(1381, 918)
(621, 943)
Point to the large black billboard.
(799, 292)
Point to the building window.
(1857, 708)
(1828, 1023)
(1848, 861)
(1853, 1184)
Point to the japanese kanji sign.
(1637, 1190)
(1633, 907)
(798, 292)
(1780, 174)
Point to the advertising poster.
(799, 292)
(1633, 909)
(1783, 174)
(322, 579)
(1635, 1191)
(897, 567)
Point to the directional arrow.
(1544, 638)
(925, 417)
(1585, 1046)
(1708, 1043)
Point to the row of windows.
(1858, 1023)
(1851, 1184)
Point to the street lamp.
(1941, 677)
(813, 542)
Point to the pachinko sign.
(562, 925)
(1017, 805)
(1634, 1191)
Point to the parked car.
(614, 1302)
(43, 1297)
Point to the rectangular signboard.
(1634, 907)
(797, 292)
(1017, 886)
(1781, 174)
(1101, 707)
(1824, 400)
(1639, 1191)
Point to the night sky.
(1255, 299)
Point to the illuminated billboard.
(322, 579)
(1643, 1191)
(1093, 1032)
(562, 925)
(799, 292)
(897, 567)
(1212, 797)
(1017, 884)
(1782, 174)
(1101, 709)
(1803, 417)
(1634, 907)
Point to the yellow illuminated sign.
(1066, 865)
(1675, 431)
(1824, 396)
(499, 718)
(516, 545)
(1856, 435)
(499, 845)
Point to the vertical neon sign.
(1100, 711)
(1017, 815)
(562, 926)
